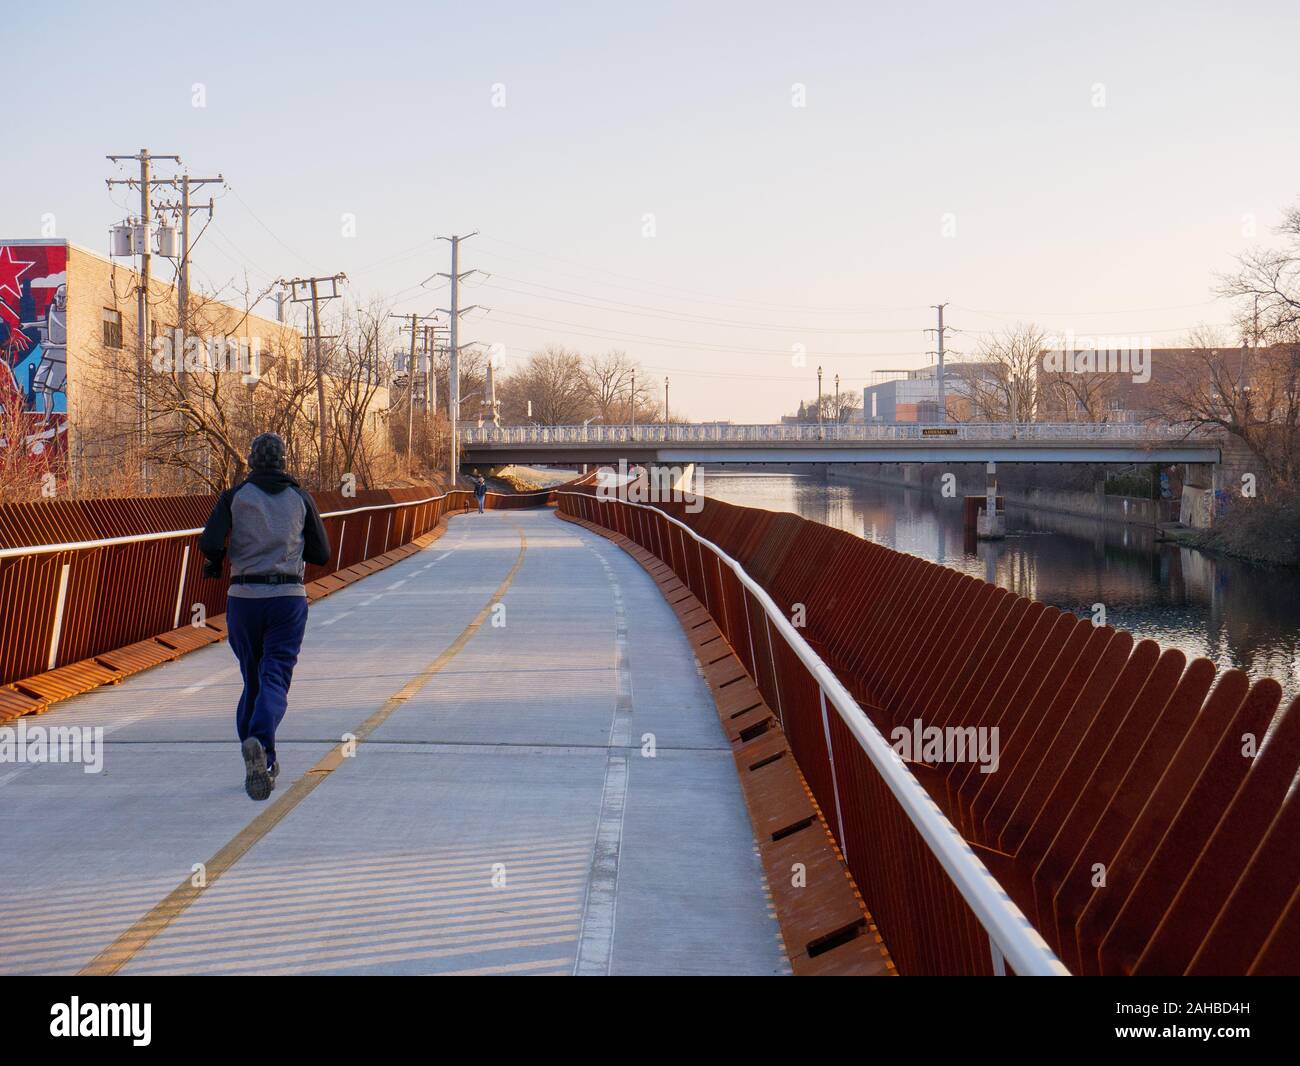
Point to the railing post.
(56, 631)
(180, 588)
(776, 674)
(835, 785)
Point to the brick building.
(71, 378)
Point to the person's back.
(266, 533)
(270, 529)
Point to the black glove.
(212, 568)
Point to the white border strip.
(1008, 928)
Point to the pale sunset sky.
(703, 185)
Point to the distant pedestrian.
(273, 528)
(480, 491)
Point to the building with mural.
(69, 355)
(34, 349)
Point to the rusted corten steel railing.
(1138, 816)
(82, 579)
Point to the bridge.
(582, 735)
(1034, 442)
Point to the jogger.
(274, 528)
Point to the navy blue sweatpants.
(265, 635)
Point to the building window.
(112, 328)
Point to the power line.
(275, 236)
(710, 297)
(580, 329)
(1084, 314)
(667, 315)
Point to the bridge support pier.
(1200, 480)
(991, 524)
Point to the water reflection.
(1233, 613)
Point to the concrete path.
(502, 813)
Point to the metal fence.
(596, 433)
(79, 579)
(1138, 821)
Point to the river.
(1233, 613)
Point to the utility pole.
(939, 333)
(185, 208)
(431, 344)
(146, 183)
(665, 407)
(304, 290)
(836, 408)
(634, 405)
(415, 328)
(453, 369)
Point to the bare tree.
(555, 382)
(1269, 279)
(355, 372)
(1002, 381)
(839, 408)
(1065, 397)
(1251, 393)
(610, 380)
(210, 396)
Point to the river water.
(1233, 613)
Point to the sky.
(732, 193)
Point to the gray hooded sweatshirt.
(273, 527)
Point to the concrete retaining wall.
(1066, 501)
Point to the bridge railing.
(1140, 811)
(80, 580)
(939, 907)
(685, 433)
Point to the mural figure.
(34, 348)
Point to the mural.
(34, 349)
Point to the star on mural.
(11, 271)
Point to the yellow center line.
(177, 902)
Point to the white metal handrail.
(1010, 932)
(170, 534)
(597, 433)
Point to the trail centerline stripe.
(177, 902)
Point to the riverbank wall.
(1063, 497)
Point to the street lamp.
(819, 403)
(634, 405)
(836, 408)
(665, 407)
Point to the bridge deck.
(512, 750)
